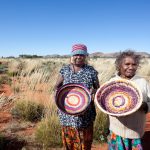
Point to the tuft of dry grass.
(48, 132)
(101, 127)
(28, 111)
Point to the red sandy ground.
(6, 118)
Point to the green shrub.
(48, 132)
(28, 111)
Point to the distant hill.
(92, 55)
(113, 55)
(99, 55)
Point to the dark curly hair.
(124, 54)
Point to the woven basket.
(119, 97)
(73, 99)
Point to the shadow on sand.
(11, 144)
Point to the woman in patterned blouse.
(77, 131)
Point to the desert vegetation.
(32, 100)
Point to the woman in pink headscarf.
(77, 131)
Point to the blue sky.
(44, 27)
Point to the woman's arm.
(59, 82)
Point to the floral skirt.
(77, 139)
(116, 142)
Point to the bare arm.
(59, 82)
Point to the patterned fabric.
(116, 142)
(75, 139)
(86, 76)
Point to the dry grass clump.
(144, 68)
(28, 111)
(3, 68)
(48, 132)
(6, 100)
(101, 127)
(36, 83)
(5, 80)
(104, 67)
(15, 66)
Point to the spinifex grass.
(101, 127)
(48, 132)
(28, 111)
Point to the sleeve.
(95, 79)
(62, 71)
(94, 75)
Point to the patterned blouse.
(86, 76)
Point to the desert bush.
(5, 80)
(15, 66)
(101, 127)
(3, 68)
(48, 132)
(27, 110)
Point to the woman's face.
(78, 59)
(128, 67)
